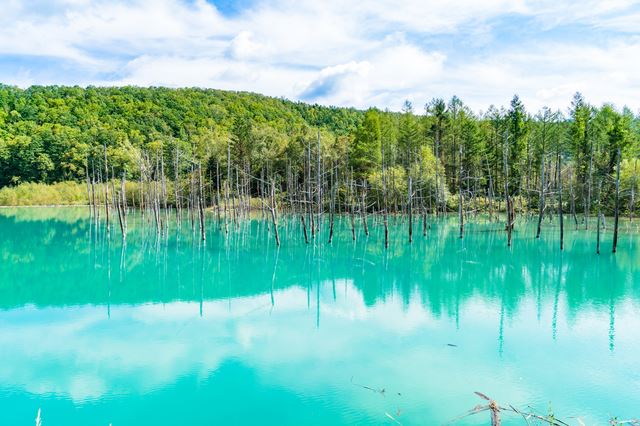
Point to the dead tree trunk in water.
(236, 199)
(633, 190)
(106, 187)
(573, 201)
(164, 191)
(203, 231)
(218, 194)
(422, 204)
(409, 210)
(311, 213)
(124, 202)
(424, 211)
(489, 189)
(386, 207)
(274, 213)
(541, 206)
(176, 184)
(118, 206)
(363, 208)
(560, 202)
(157, 193)
(86, 172)
(437, 155)
(121, 205)
(617, 208)
(227, 187)
(93, 201)
(319, 186)
(509, 226)
(587, 208)
(598, 233)
(304, 211)
(141, 187)
(332, 207)
(304, 228)
(352, 207)
(460, 214)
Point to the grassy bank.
(41, 194)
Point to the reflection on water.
(169, 330)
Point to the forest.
(438, 157)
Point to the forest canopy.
(47, 133)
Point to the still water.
(168, 330)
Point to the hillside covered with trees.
(447, 153)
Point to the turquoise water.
(168, 331)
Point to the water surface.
(167, 330)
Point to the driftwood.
(495, 409)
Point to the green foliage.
(55, 134)
(395, 180)
(517, 125)
(423, 172)
(47, 134)
(581, 144)
(366, 149)
(409, 139)
(630, 178)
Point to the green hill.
(47, 132)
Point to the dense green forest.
(47, 133)
(449, 155)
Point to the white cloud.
(220, 72)
(345, 53)
(591, 12)
(244, 47)
(391, 75)
(551, 73)
(333, 80)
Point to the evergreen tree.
(365, 150)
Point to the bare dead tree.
(616, 213)
(560, 214)
(598, 231)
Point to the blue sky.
(334, 51)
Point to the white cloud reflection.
(79, 354)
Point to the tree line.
(441, 158)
